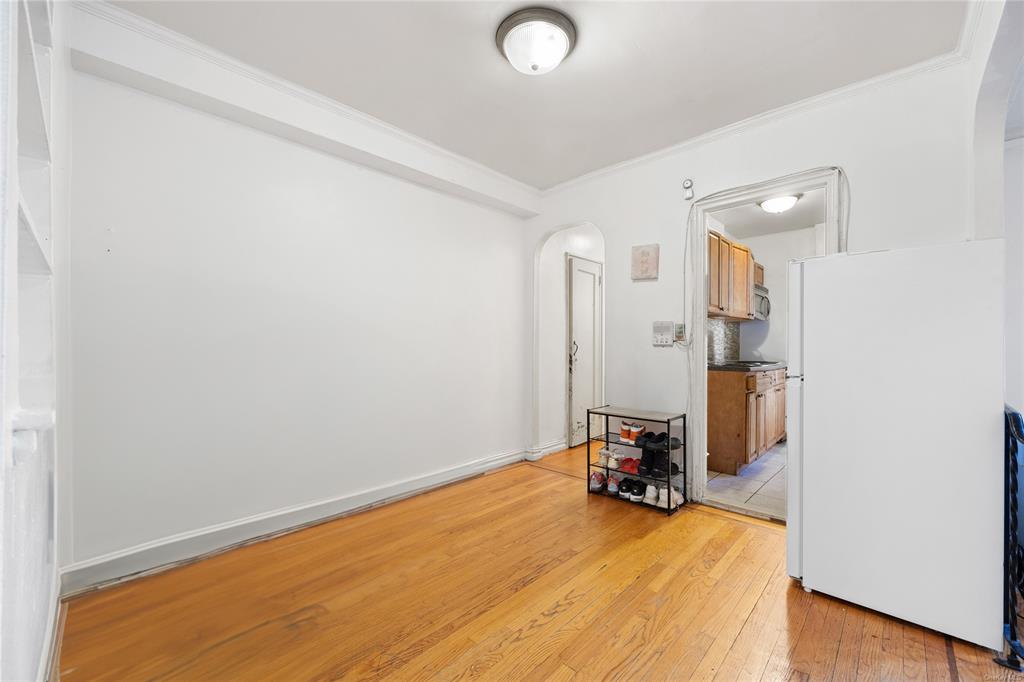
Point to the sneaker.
(613, 485)
(636, 491)
(597, 481)
(602, 457)
(625, 430)
(651, 495)
(635, 432)
(613, 461)
(663, 498)
(677, 497)
(625, 488)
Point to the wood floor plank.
(850, 640)
(518, 574)
(914, 667)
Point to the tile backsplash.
(723, 341)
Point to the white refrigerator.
(895, 433)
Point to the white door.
(902, 434)
(585, 345)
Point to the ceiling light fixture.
(779, 204)
(536, 40)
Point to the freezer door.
(902, 434)
(794, 471)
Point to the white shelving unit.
(29, 379)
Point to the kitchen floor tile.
(734, 484)
(760, 486)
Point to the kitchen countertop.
(729, 367)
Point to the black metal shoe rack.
(1013, 548)
(611, 438)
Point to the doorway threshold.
(740, 509)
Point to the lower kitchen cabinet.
(746, 417)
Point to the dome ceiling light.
(779, 204)
(536, 40)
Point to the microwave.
(762, 306)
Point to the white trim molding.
(965, 46)
(122, 47)
(833, 181)
(538, 452)
(184, 547)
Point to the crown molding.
(513, 195)
(529, 196)
(963, 51)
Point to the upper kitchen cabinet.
(714, 280)
(730, 279)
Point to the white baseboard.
(148, 557)
(537, 452)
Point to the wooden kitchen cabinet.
(741, 304)
(778, 420)
(761, 407)
(714, 278)
(730, 279)
(746, 417)
(758, 274)
(751, 419)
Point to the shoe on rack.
(663, 498)
(626, 430)
(651, 495)
(597, 481)
(613, 485)
(625, 488)
(613, 461)
(677, 497)
(662, 465)
(629, 465)
(635, 431)
(602, 457)
(646, 462)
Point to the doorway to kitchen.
(747, 238)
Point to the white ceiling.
(643, 76)
(749, 220)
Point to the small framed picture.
(645, 262)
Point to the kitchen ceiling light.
(536, 40)
(779, 204)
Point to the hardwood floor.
(515, 575)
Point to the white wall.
(583, 240)
(766, 339)
(1013, 216)
(902, 143)
(257, 326)
(32, 482)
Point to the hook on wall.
(688, 189)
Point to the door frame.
(599, 365)
(833, 180)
